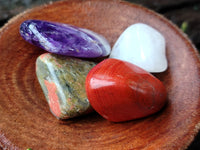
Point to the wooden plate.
(26, 121)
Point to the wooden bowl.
(26, 121)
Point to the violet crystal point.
(64, 39)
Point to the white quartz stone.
(143, 46)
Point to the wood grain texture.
(25, 120)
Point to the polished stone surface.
(64, 39)
(62, 80)
(143, 46)
(121, 91)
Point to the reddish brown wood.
(25, 120)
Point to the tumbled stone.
(121, 91)
(64, 39)
(62, 80)
(143, 46)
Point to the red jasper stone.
(121, 91)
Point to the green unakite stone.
(63, 82)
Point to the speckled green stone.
(63, 82)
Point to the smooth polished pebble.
(63, 82)
(143, 46)
(64, 39)
(121, 91)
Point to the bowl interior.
(26, 121)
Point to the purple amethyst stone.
(64, 39)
